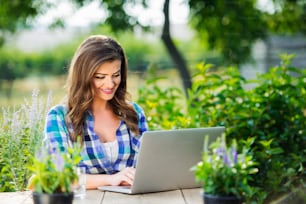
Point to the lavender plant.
(223, 171)
(21, 132)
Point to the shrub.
(271, 116)
(21, 131)
(163, 105)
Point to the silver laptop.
(165, 158)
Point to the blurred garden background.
(192, 63)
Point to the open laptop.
(165, 158)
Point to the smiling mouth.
(107, 91)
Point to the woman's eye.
(99, 77)
(116, 75)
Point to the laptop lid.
(165, 158)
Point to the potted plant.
(54, 175)
(224, 173)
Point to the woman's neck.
(99, 105)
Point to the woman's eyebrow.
(118, 71)
(98, 73)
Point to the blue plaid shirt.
(93, 154)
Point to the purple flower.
(41, 155)
(226, 160)
(59, 162)
(234, 155)
(221, 152)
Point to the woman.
(97, 111)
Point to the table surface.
(184, 196)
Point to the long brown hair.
(92, 52)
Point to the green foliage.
(273, 114)
(17, 65)
(18, 14)
(55, 172)
(229, 26)
(291, 19)
(13, 64)
(118, 18)
(233, 26)
(137, 50)
(224, 171)
(21, 131)
(167, 101)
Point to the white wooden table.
(185, 196)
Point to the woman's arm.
(56, 132)
(122, 178)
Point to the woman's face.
(106, 80)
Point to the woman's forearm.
(124, 177)
(95, 180)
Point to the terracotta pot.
(58, 198)
(215, 199)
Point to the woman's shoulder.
(137, 107)
(58, 109)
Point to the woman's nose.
(109, 82)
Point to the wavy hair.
(89, 56)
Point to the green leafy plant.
(272, 112)
(223, 171)
(168, 101)
(55, 172)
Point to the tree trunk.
(175, 55)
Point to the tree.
(289, 17)
(13, 66)
(230, 26)
(233, 26)
(176, 56)
(226, 25)
(15, 15)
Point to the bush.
(163, 106)
(271, 117)
(21, 131)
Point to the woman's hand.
(123, 178)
